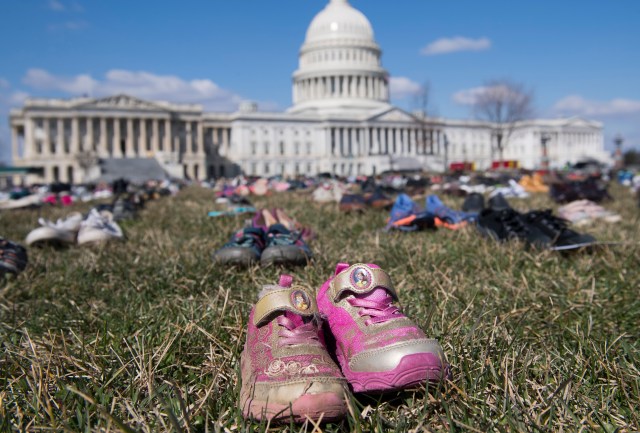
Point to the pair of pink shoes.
(287, 365)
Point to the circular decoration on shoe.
(300, 300)
(361, 278)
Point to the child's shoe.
(244, 248)
(286, 370)
(378, 347)
(284, 247)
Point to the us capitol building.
(341, 121)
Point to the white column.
(61, 137)
(129, 150)
(189, 140)
(200, 138)
(103, 151)
(366, 141)
(167, 135)
(155, 140)
(75, 135)
(142, 144)
(355, 143)
(405, 142)
(225, 141)
(14, 144)
(28, 144)
(46, 147)
(413, 140)
(117, 138)
(90, 139)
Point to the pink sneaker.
(378, 347)
(286, 370)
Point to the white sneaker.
(323, 194)
(99, 227)
(63, 230)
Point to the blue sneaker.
(244, 248)
(407, 216)
(446, 214)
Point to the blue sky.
(581, 57)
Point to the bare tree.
(421, 99)
(422, 112)
(503, 103)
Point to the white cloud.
(468, 96)
(55, 5)
(141, 84)
(42, 80)
(402, 87)
(455, 44)
(577, 105)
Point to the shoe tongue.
(378, 294)
(278, 229)
(295, 318)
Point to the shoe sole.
(284, 255)
(324, 406)
(413, 370)
(235, 256)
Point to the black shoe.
(563, 238)
(507, 224)
(474, 203)
(13, 257)
(499, 203)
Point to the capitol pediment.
(393, 115)
(121, 102)
(581, 123)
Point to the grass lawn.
(146, 335)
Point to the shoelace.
(302, 334)
(97, 221)
(284, 238)
(247, 241)
(379, 311)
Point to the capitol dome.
(339, 20)
(340, 69)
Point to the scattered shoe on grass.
(284, 247)
(473, 203)
(99, 227)
(352, 203)
(244, 248)
(562, 237)
(408, 217)
(62, 232)
(507, 224)
(286, 371)
(378, 348)
(13, 257)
